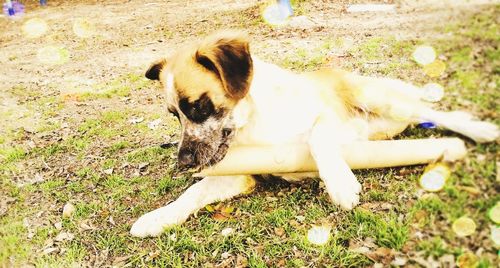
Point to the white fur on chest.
(281, 107)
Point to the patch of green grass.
(12, 154)
(113, 116)
(114, 181)
(432, 204)
(52, 149)
(372, 49)
(314, 213)
(463, 55)
(256, 261)
(109, 163)
(52, 185)
(76, 187)
(49, 106)
(483, 27)
(148, 155)
(76, 144)
(387, 230)
(279, 217)
(117, 146)
(109, 125)
(89, 174)
(86, 209)
(122, 86)
(13, 245)
(72, 257)
(49, 126)
(108, 239)
(434, 247)
(167, 184)
(305, 60)
(468, 80)
(23, 92)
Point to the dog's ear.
(228, 56)
(154, 70)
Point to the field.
(91, 131)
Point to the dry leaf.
(120, 261)
(227, 210)
(279, 231)
(64, 236)
(219, 217)
(48, 251)
(383, 255)
(209, 208)
(360, 249)
(86, 227)
(241, 261)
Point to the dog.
(224, 96)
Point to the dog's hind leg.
(461, 122)
(398, 101)
(202, 193)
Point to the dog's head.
(204, 83)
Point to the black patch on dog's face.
(206, 133)
(199, 110)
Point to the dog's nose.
(186, 159)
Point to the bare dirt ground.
(43, 105)
(132, 34)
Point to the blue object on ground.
(13, 8)
(427, 125)
(43, 2)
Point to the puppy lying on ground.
(224, 96)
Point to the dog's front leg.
(341, 184)
(202, 193)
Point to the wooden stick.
(296, 158)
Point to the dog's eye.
(199, 110)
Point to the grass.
(122, 86)
(113, 171)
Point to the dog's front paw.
(346, 194)
(154, 222)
